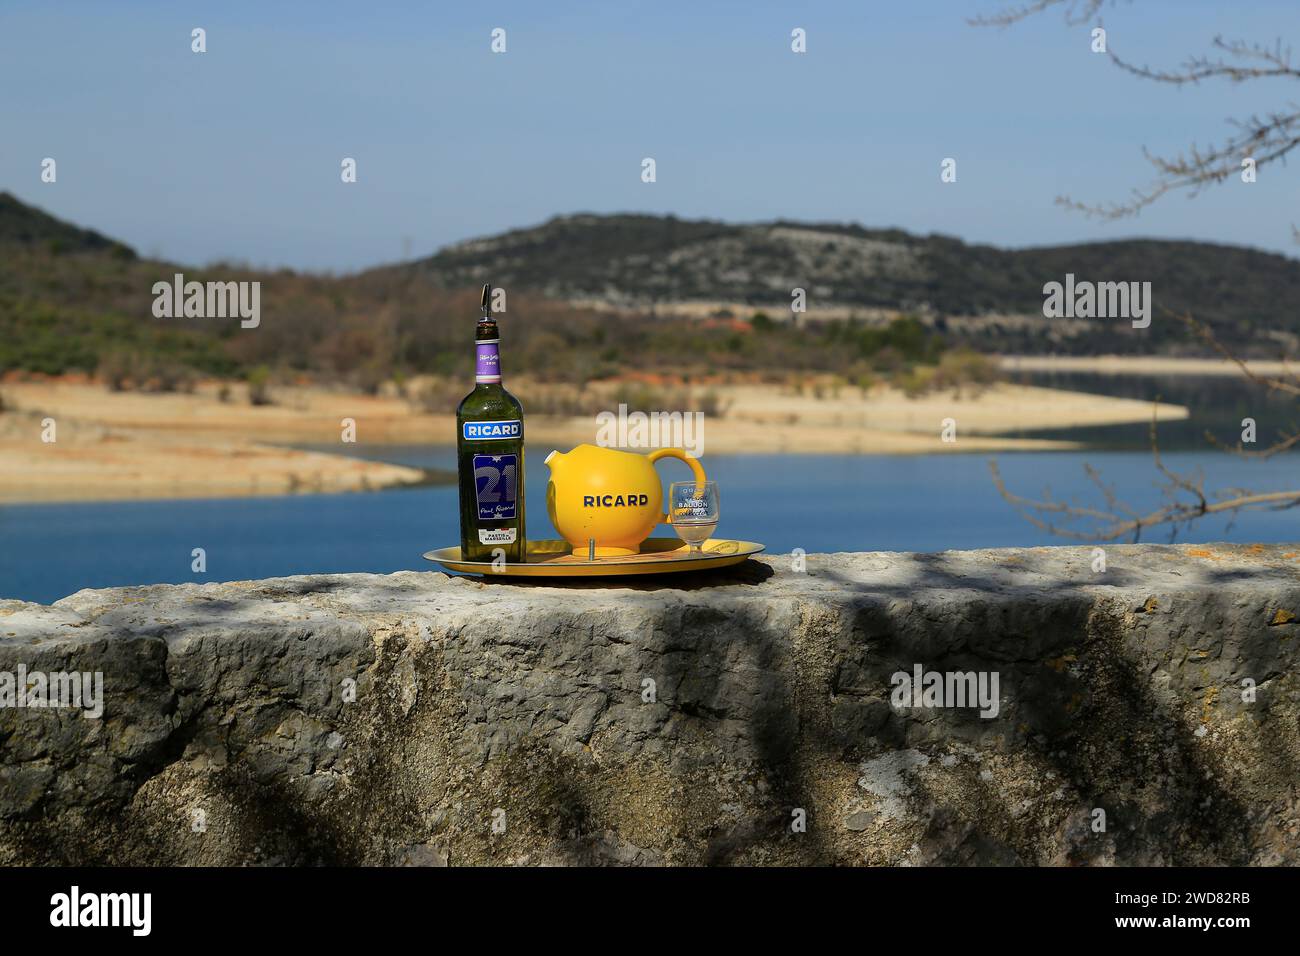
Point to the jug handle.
(691, 460)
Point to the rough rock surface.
(746, 717)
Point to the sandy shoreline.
(1140, 365)
(128, 445)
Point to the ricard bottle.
(490, 455)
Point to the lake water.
(815, 502)
(1215, 403)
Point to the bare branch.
(1276, 61)
(1076, 12)
(1266, 140)
(1287, 383)
(1111, 527)
(1188, 500)
(1285, 443)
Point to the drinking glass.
(693, 511)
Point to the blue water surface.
(814, 502)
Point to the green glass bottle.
(490, 456)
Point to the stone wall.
(394, 719)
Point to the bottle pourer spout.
(487, 301)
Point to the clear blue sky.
(235, 153)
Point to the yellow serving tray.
(553, 559)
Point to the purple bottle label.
(487, 367)
(495, 483)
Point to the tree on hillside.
(1257, 141)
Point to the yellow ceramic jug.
(609, 495)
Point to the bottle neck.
(487, 357)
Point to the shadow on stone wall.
(231, 737)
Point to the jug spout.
(553, 456)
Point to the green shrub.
(259, 386)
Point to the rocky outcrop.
(1147, 713)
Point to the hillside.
(989, 297)
(599, 296)
(21, 224)
(72, 299)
